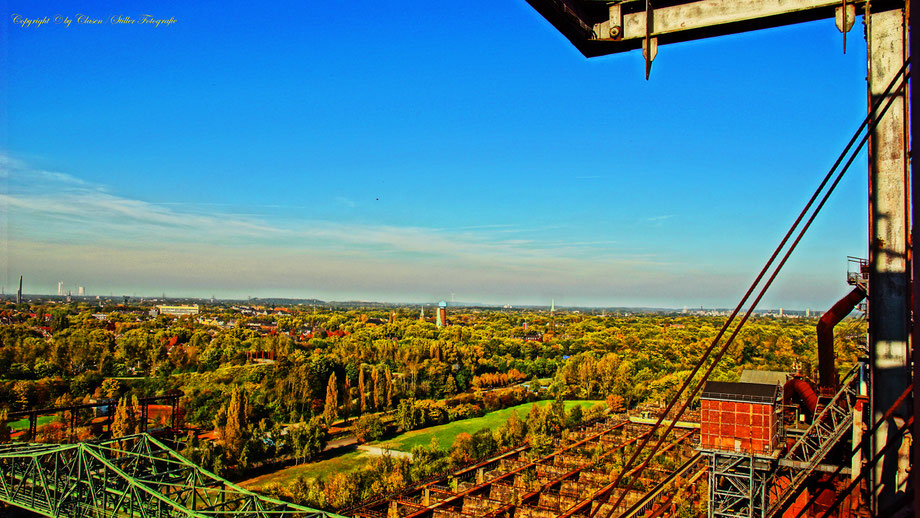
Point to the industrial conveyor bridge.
(134, 476)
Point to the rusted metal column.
(889, 280)
(914, 37)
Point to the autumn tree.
(331, 410)
(536, 420)
(615, 403)
(235, 429)
(24, 392)
(362, 390)
(389, 381)
(139, 426)
(556, 415)
(110, 387)
(341, 489)
(512, 433)
(368, 428)
(309, 438)
(540, 445)
(65, 400)
(408, 415)
(346, 402)
(375, 377)
(450, 385)
(4, 427)
(574, 417)
(463, 450)
(125, 420)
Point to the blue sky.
(407, 152)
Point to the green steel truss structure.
(135, 476)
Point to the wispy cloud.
(51, 210)
(342, 200)
(52, 205)
(497, 226)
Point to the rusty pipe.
(827, 369)
(806, 394)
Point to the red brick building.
(741, 417)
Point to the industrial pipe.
(801, 388)
(827, 369)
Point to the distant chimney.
(19, 293)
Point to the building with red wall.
(741, 417)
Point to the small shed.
(740, 417)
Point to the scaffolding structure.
(739, 484)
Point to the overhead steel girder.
(604, 27)
(134, 476)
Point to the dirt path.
(344, 442)
(373, 450)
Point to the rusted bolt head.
(615, 31)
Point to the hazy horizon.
(438, 150)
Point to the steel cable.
(862, 444)
(841, 495)
(871, 120)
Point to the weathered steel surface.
(596, 29)
(710, 13)
(562, 479)
(889, 280)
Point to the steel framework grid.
(738, 484)
(134, 476)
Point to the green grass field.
(446, 433)
(354, 460)
(23, 424)
(319, 470)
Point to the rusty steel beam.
(571, 473)
(683, 18)
(458, 497)
(631, 472)
(565, 476)
(586, 503)
(492, 460)
(369, 505)
(407, 503)
(914, 96)
(889, 279)
(596, 29)
(656, 492)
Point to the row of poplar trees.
(381, 394)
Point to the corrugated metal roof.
(769, 377)
(737, 391)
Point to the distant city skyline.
(439, 150)
(432, 304)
